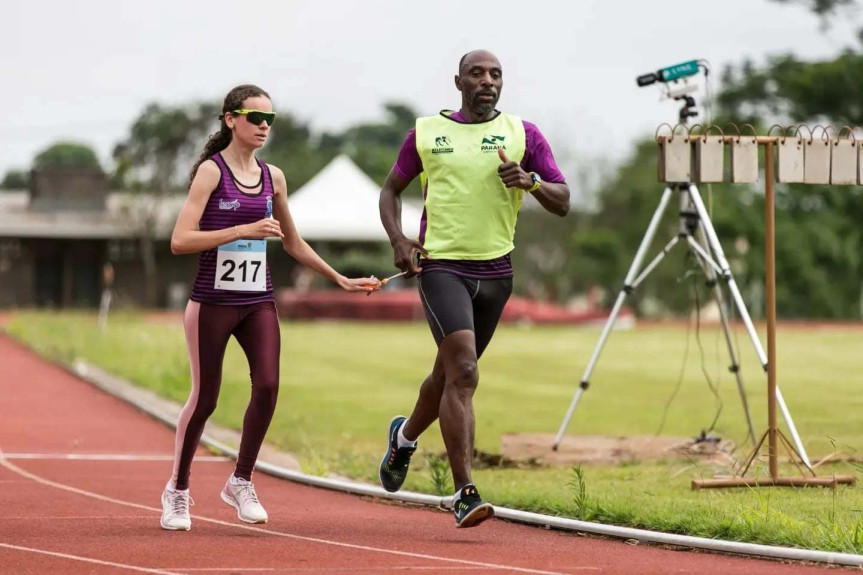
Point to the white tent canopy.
(341, 203)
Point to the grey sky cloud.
(84, 70)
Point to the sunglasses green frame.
(256, 117)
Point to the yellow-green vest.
(470, 214)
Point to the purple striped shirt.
(230, 206)
(537, 158)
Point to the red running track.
(98, 512)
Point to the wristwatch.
(537, 182)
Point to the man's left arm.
(537, 174)
(552, 196)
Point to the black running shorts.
(454, 303)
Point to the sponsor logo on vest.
(443, 145)
(232, 205)
(492, 143)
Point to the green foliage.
(67, 155)
(579, 493)
(162, 144)
(440, 477)
(374, 146)
(796, 90)
(15, 180)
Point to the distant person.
(107, 292)
(477, 164)
(235, 202)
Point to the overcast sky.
(84, 70)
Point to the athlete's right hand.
(405, 250)
(262, 229)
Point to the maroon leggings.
(208, 329)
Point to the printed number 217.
(243, 267)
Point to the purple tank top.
(227, 207)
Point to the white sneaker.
(240, 494)
(175, 509)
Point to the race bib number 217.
(242, 266)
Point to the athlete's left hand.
(366, 285)
(512, 174)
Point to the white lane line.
(353, 569)
(76, 517)
(107, 457)
(89, 560)
(15, 469)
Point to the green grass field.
(342, 382)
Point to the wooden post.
(770, 281)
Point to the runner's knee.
(265, 391)
(465, 375)
(206, 406)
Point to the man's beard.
(481, 108)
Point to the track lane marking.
(38, 479)
(90, 560)
(108, 457)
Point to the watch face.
(535, 177)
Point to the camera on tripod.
(674, 80)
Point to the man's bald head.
(469, 58)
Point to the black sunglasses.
(256, 117)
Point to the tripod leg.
(627, 288)
(792, 428)
(716, 247)
(741, 308)
(723, 315)
(792, 452)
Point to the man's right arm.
(404, 249)
(407, 167)
(391, 206)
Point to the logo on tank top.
(442, 145)
(492, 143)
(232, 205)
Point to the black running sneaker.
(394, 465)
(469, 509)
